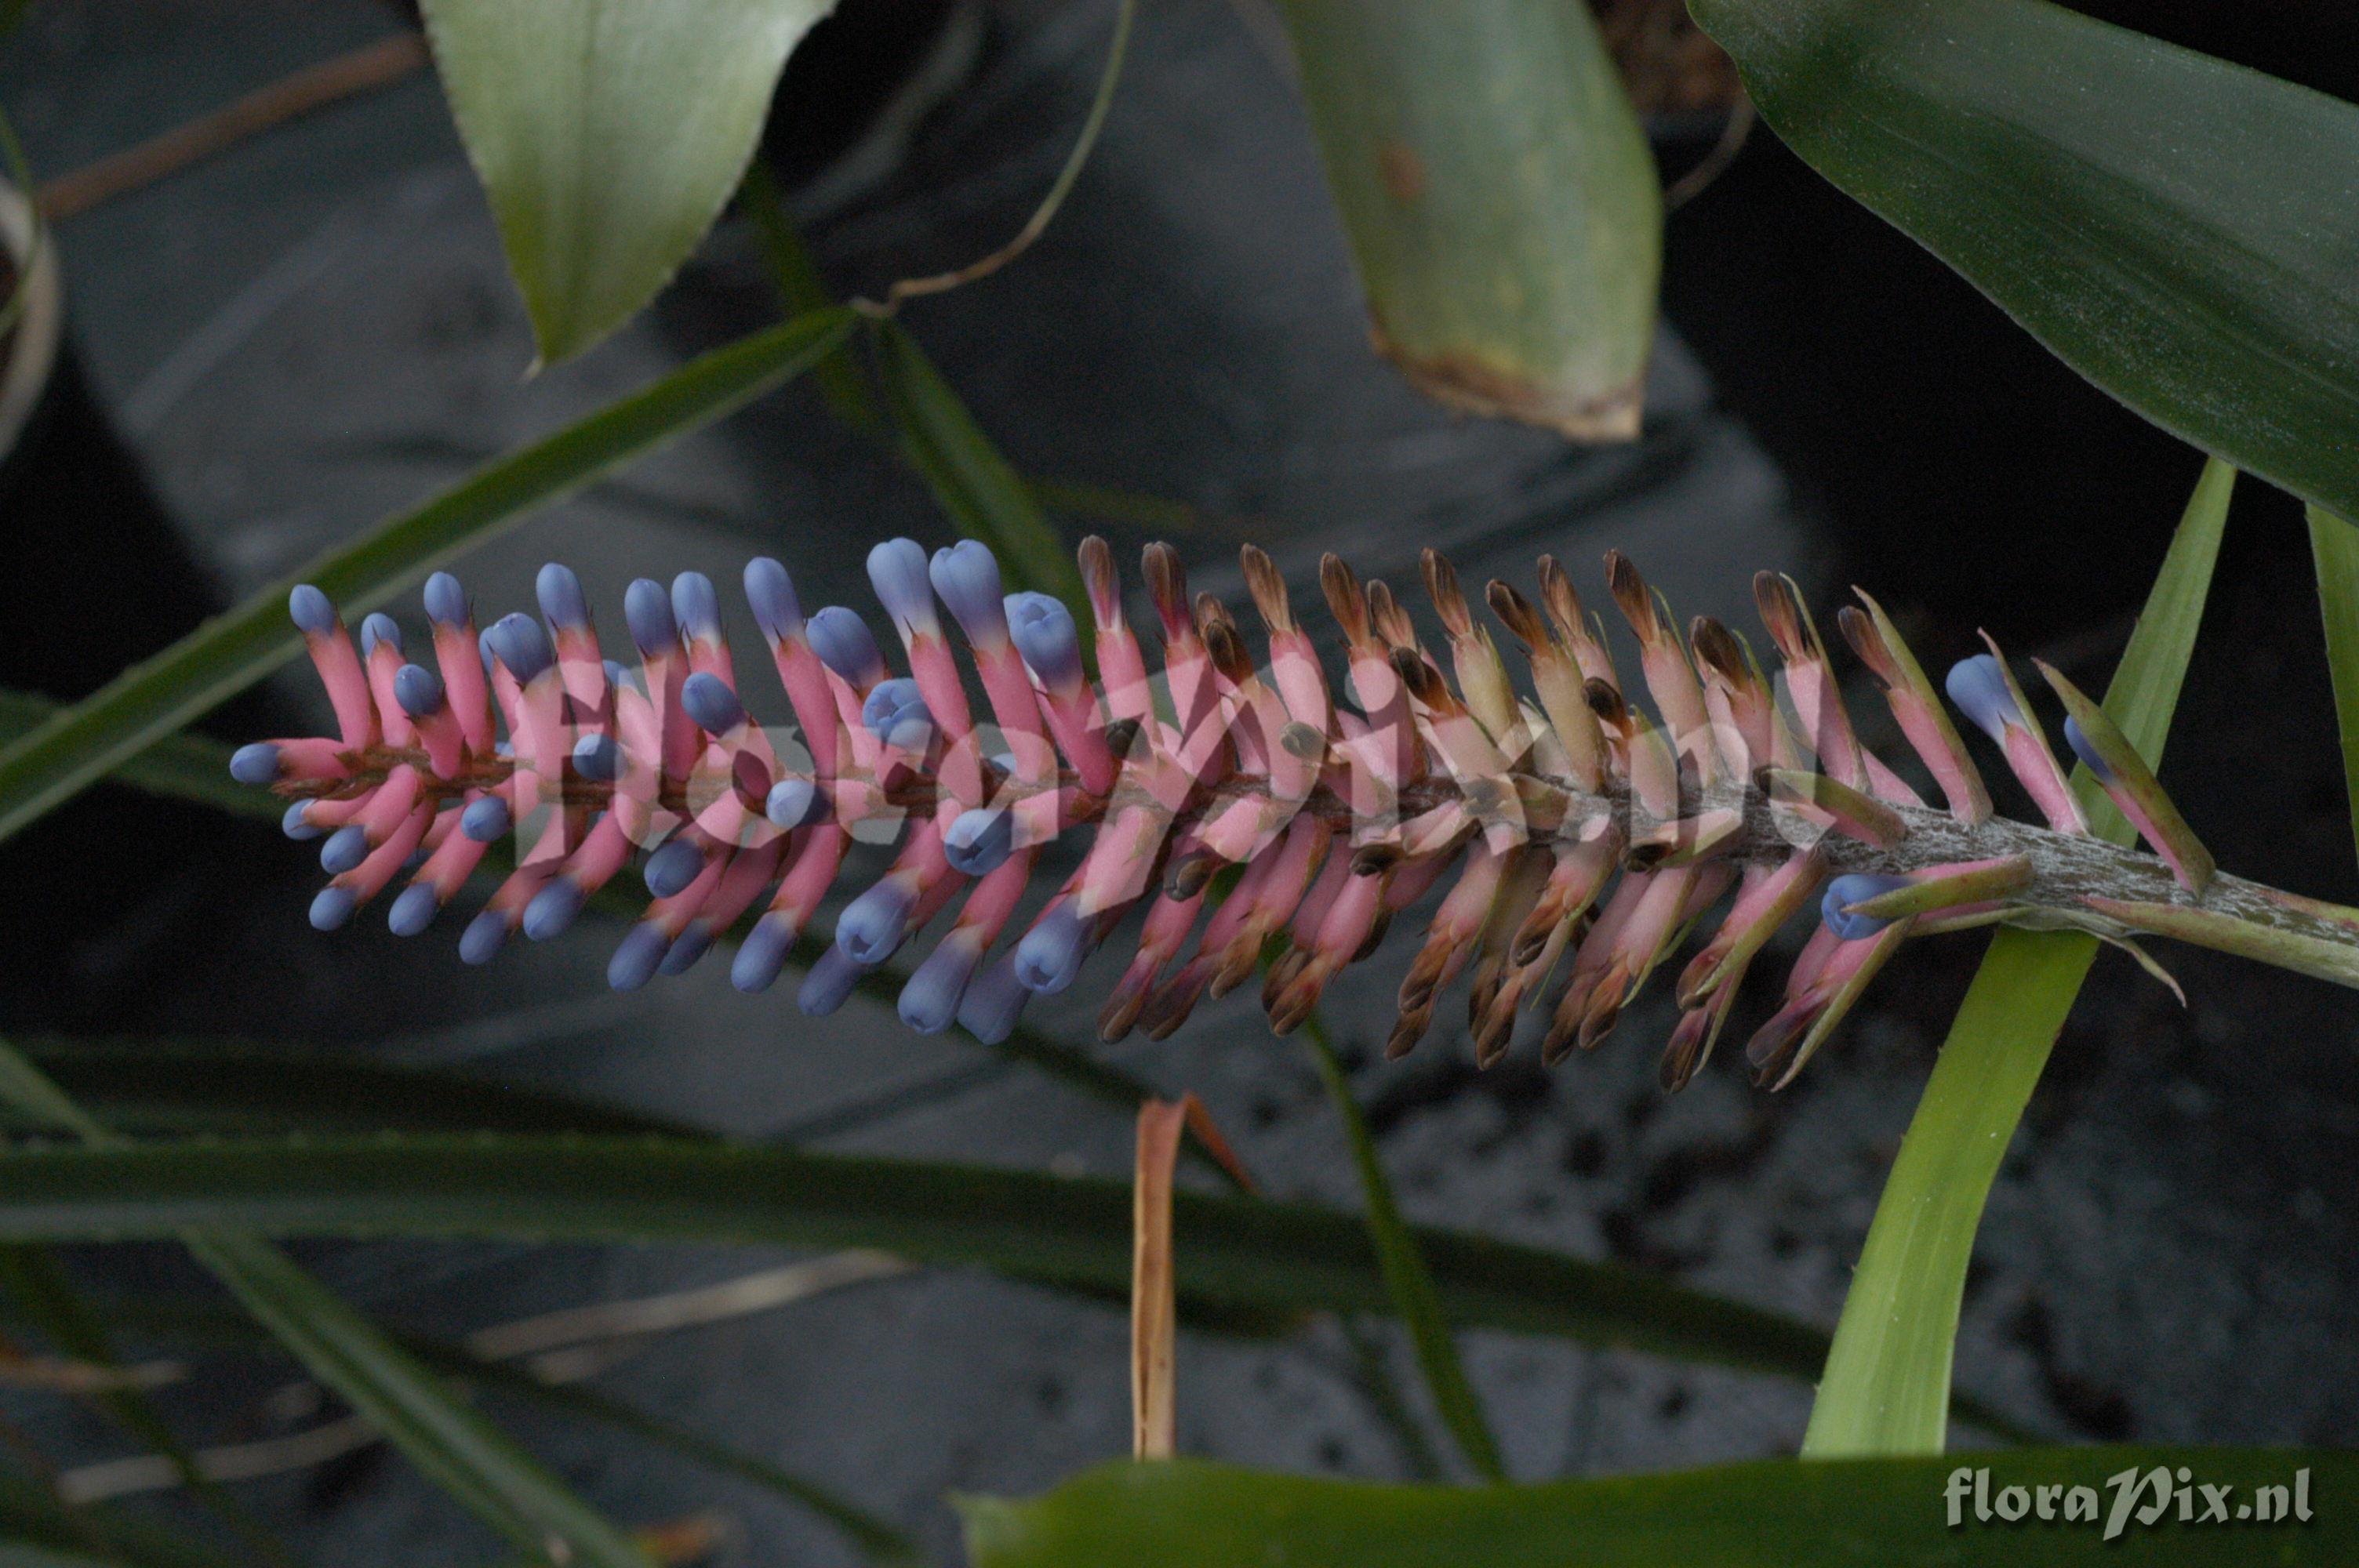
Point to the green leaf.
(608, 135)
(31, 1516)
(81, 744)
(1858, 1514)
(1886, 1389)
(181, 767)
(1502, 205)
(1411, 1284)
(2335, 547)
(985, 497)
(2177, 229)
(1245, 1255)
(457, 1449)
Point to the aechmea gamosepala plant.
(1572, 835)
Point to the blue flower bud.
(979, 840)
(1049, 957)
(771, 594)
(830, 980)
(486, 819)
(672, 867)
(1857, 888)
(346, 848)
(413, 911)
(520, 643)
(379, 628)
(708, 701)
(2083, 748)
(298, 823)
(929, 1000)
(598, 758)
(637, 955)
(993, 1001)
(333, 908)
(311, 610)
(695, 606)
(795, 803)
(966, 575)
(552, 909)
(686, 949)
(418, 689)
(761, 954)
(484, 937)
(254, 764)
(873, 925)
(446, 601)
(885, 701)
(560, 592)
(844, 644)
(617, 674)
(1043, 631)
(646, 609)
(1978, 686)
(897, 570)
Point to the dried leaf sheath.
(1576, 834)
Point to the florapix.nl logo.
(2130, 1497)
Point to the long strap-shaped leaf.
(2176, 228)
(2334, 543)
(233, 651)
(1886, 1388)
(464, 1452)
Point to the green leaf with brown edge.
(1863, 1513)
(609, 135)
(2176, 228)
(1241, 1254)
(1887, 1383)
(2334, 544)
(80, 744)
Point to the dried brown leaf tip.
(1231, 804)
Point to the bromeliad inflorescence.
(1248, 811)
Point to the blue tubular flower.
(522, 645)
(413, 911)
(830, 980)
(763, 954)
(1979, 688)
(553, 908)
(1044, 633)
(695, 606)
(2084, 749)
(771, 594)
(673, 867)
(966, 574)
(993, 1001)
(1049, 957)
(311, 610)
(686, 949)
(795, 803)
(844, 644)
(979, 840)
(298, 823)
(637, 955)
(379, 628)
(874, 924)
(646, 609)
(484, 937)
(598, 758)
(929, 1000)
(485, 820)
(418, 689)
(446, 601)
(896, 714)
(708, 701)
(560, 592)
(897, 570)
(1857, 888)
(333, 908)
(254, 764)
(346, 848)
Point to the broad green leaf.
(1886, 1388)
(457, 1449)
(80, 744)
(2335, 545)
(1239, 1254)
(984, 496)
(2177, 229)
(608, 135)
(1871, 1513)
(1502, 209)
(1415, 1300)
